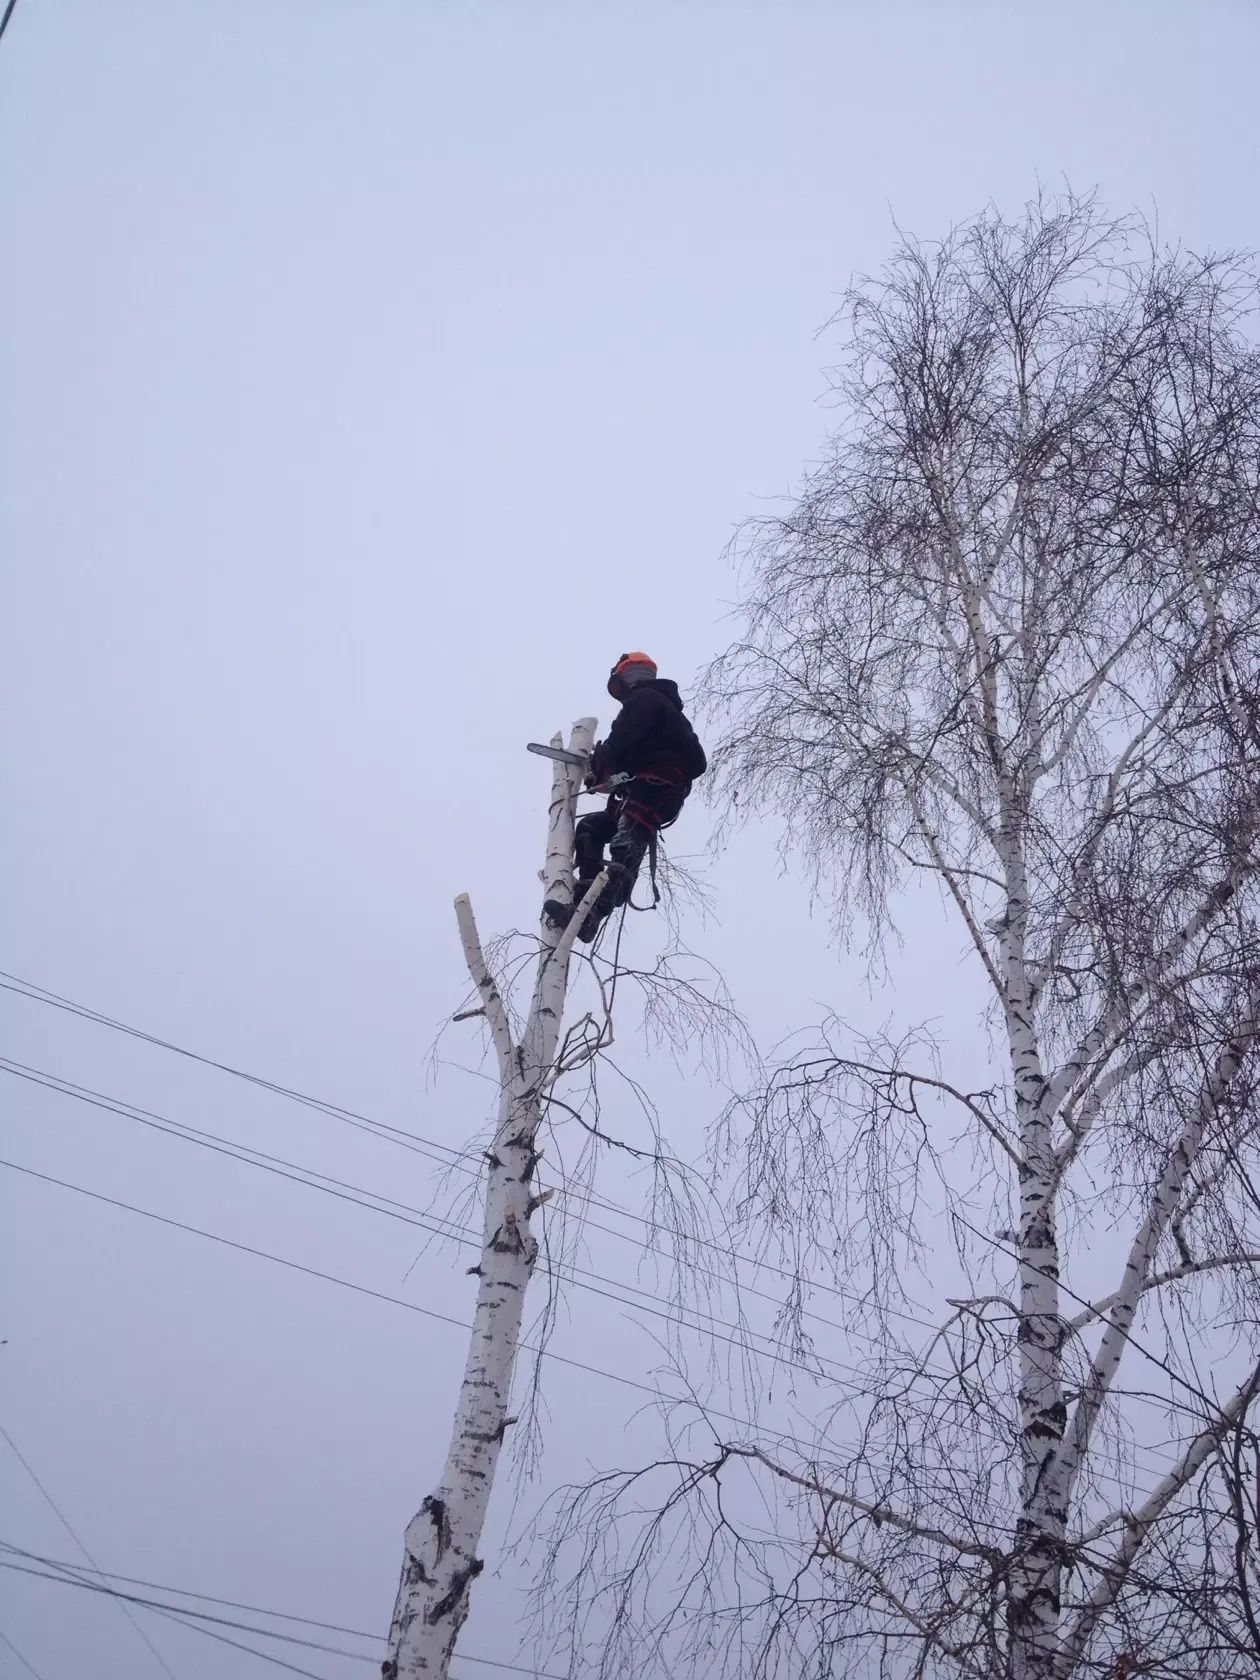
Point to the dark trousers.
(626, 826)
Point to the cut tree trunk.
(440, 1555)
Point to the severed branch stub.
(440, 1557)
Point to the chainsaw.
(579, 761)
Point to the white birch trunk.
(1054, 1454)
(1034, 1593)
(440, 1554)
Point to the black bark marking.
(435, 1509)
(460, 1584)
(492, 1435)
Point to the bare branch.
(879, 1513)
(491, 1001)
(1137, 1525)
(1160, 1280)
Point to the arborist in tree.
(654, 748)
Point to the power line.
(392, 1300)
(427, 1146)
(706, 1410)
(4, 24)
(429, 1312)
(621, 1236)
(417, 1217)
(4, 1638)
(193, 1619)
(180, 1620)
(72, 1577)
(443, 1228)
(69, 1527)
(182, 1592)
(442, 1153)
(38, 994)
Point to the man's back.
(652, 733)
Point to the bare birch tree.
(1006, 644)
(440, 1556)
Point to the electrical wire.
(73, 1580)
(4, 24)
(394, 1300)
(38, 994)
(705, 1410)
(419, 1218)
(128, 1111)
(421, 1145)
(191, 1620)
(76, 1569)
(72, 1576)
(70, 1529)
(442, 1153)
(25, 1661)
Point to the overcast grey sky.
(375, 372)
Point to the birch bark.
(440, 1552)
(1038, 1555)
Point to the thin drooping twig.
(1003, 643)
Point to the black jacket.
(651, 733)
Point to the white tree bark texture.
(441, 1547)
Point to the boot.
(559, 914)
(594, 920)
(616, 891)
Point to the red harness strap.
(643, 815)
